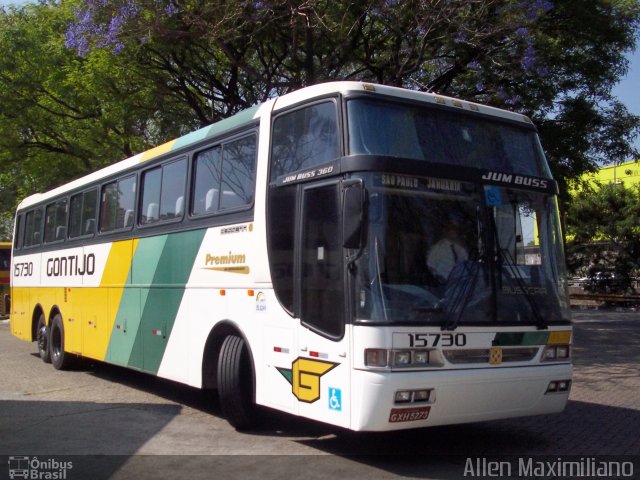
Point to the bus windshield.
(415, 132)
(451, 253)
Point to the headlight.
(555, 353)
(401, 358)
(403, 396)
(421, 357)
(550, 353)
(558, 386)
(379, 357)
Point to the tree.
(603, 228)
(554, 61)
(61, 115)
(138, 72)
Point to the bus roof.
(252, 113)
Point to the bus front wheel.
(235, 383)
(42, 339)
(59, 358)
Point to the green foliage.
(555, 61)
(604, 231)
(62, 116)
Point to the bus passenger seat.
(179, 206)
(60, 231)
(128, 218)
(90, 226)
(212, 195)
(153, 212)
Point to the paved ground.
(133, 418)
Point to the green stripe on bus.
(123, 347)
(160, 270)
(159, 304)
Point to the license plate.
(408, 414)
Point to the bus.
(5, 279)
(293, 256)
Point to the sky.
(628, 90)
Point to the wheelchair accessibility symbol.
(335, 399)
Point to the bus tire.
(42, 339)
(60, 359)
(235, 383)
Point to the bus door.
(322, 372)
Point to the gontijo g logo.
(304, 377)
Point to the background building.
(627, 173)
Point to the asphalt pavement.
(110, 422)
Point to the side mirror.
(352, 213)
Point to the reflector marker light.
(318, 355)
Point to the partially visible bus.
(295, 256)
(5, 277)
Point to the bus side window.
(149, 207)
(117, 198)
(322, 291)
(238, 173)
(18, 232)
(33, 227)
(56, 221)
(174, 176)
(282, 214)
(82, 213)
(304, 138)
(224, 176)
(206, 181)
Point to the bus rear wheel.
(60, 359)
(42, 339)
(235, 383)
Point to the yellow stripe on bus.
(157, 151)
(561, 337)
(102, 303)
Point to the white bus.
(367, 256)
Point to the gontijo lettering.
(73, 265)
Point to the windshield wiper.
(379, 277)
(465, 284)
(461, 295)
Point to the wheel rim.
(42, 338)
(55, 343)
